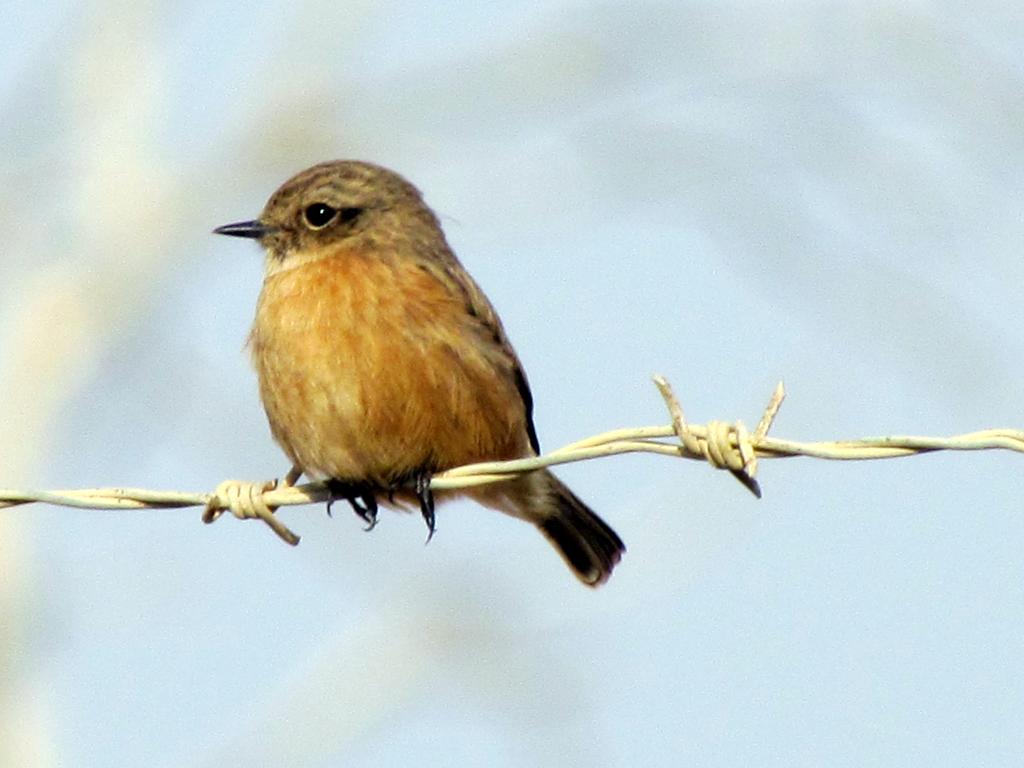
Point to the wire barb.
(247, 501)
(723, 445)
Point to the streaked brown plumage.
(381, 362)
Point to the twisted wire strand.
(721, 444)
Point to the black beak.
(253, 229)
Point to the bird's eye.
(319, 215)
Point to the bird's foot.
(245, 501)
(362, 500)
(292, 477)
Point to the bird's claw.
(362, 501)
(426, 497)
(366, 508)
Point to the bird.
(381, 362)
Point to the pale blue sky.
(728, 194)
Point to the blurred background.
(726, 193)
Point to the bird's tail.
(585, 541)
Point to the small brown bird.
(381, 362)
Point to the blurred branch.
(723, 445)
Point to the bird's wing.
(447, 269)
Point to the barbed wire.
(723, 445)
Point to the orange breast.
(371, 369)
